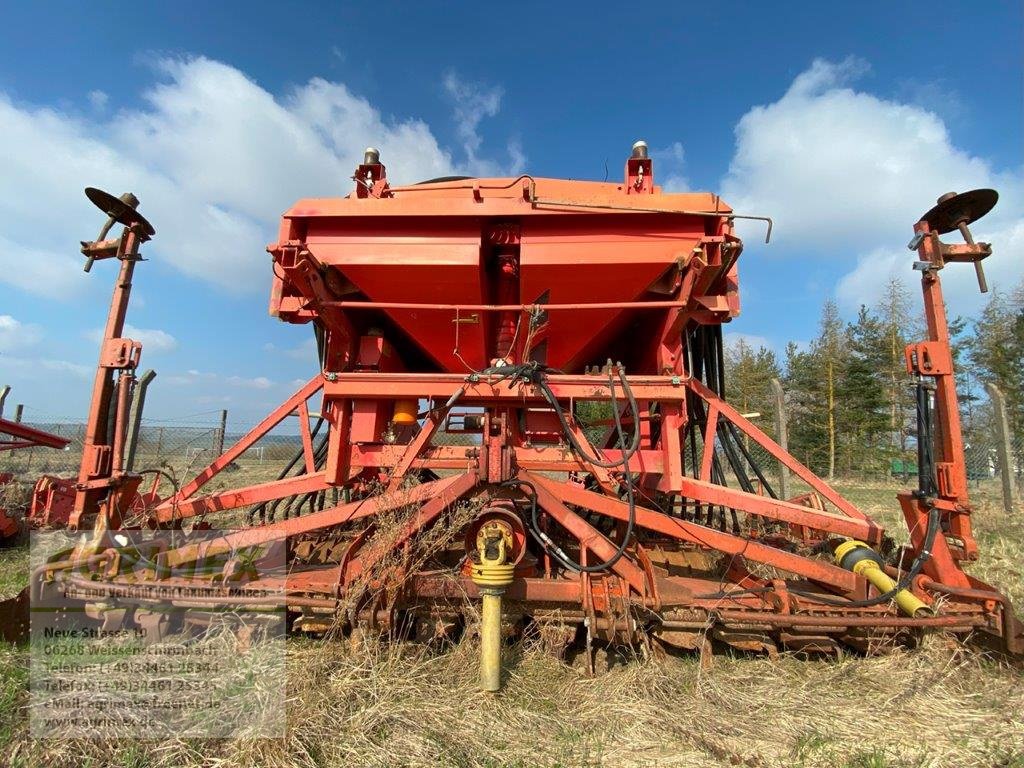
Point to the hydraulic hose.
(533, 373)
(556, 552)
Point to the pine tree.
(806, 415)
(748, 380)
(997, 350)
(898, 326)
(829, 351)
(865, 412)
(813, 381)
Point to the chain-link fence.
(981, 456)
(983, 460)
(182, 447)
(185, 448)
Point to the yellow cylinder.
(492, 575)
(490, 641)
(905, 599)
(405, 412)
(870, 568)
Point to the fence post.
(1002, 443)
(135, 417)
(4, 391)
(159, 442)
(782, 434)
(18, 409)
(220, 433)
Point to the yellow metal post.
(490, 641)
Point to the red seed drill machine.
(463, 327)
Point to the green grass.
(13, 569)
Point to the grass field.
(385, 705)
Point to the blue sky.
(843, 122)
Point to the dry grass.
(398, 545)
(388, 705)
(382, 705)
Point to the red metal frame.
(418, 290)
(22, 436)
(14, 436)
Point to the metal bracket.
(928, 358)
(120, 353)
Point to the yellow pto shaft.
(858, 557)
(492, 575)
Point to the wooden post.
(781, 435)
(18, 409)
(1002, 444)
(4, 390)
(219, 447)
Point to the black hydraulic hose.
(533, 373)
(556, 552)
(574, 443)
(719, 360)
(693, 456)
(734, 461)
(716, 381)
(925, 446)
(709, 365)
(295, 503)
(717, 472)
(753, 464)
(319, 455)
(718, 478)
(261, 508)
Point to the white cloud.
(98, 100)
(845, 174)
(304, 351)
(153, 339)
(192, 377)
(33, 366)
(189, 377)
(668, 168)
(1003, 270)
(213, 157)
(15, 334)
(49, 273)
(473, 103)
(259, 382)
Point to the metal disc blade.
(120, 210)
(960, 209)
